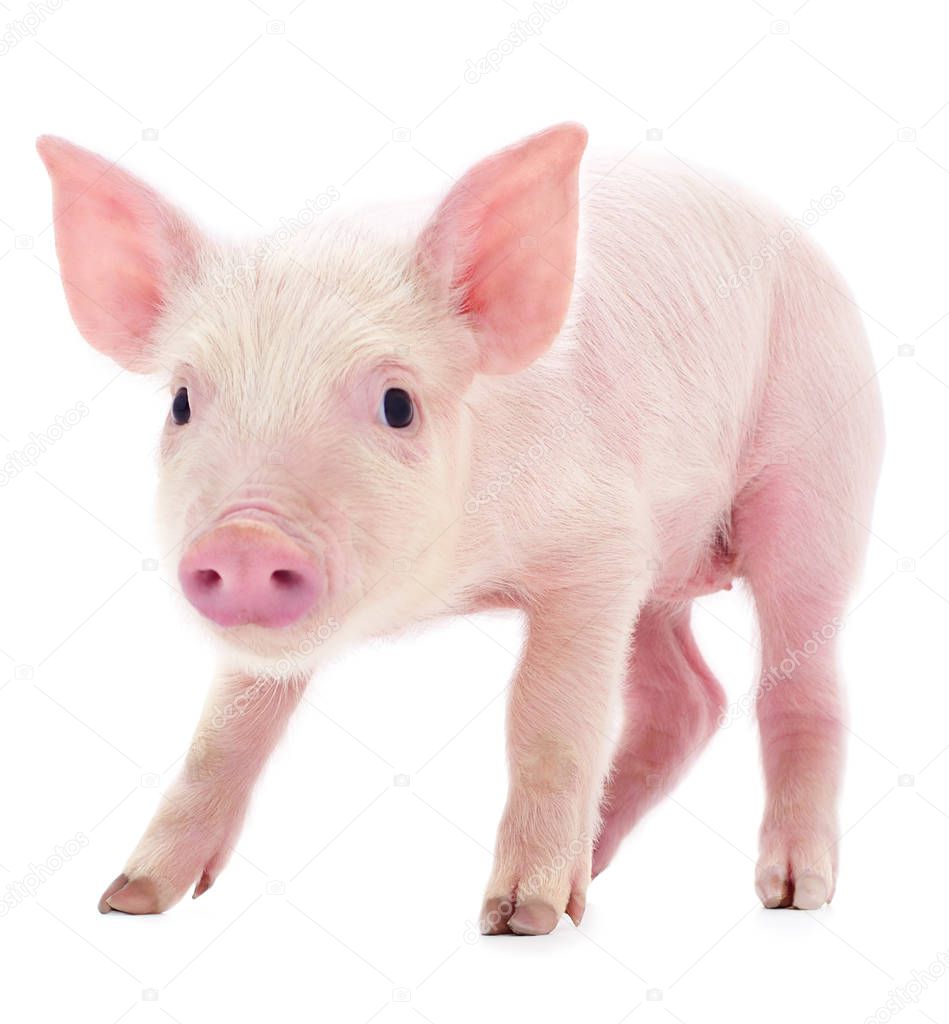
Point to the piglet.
(590, 396)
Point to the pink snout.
(243, 573)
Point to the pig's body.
(663, 385)
(708, 427)
(620, 446)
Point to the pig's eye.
(180, 408)
(396, 409)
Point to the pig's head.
(318, 433)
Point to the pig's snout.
(248, 573)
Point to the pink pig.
(548, 396)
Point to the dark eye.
(180, 408)
(397, 409)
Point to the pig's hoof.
(138, 896)
(144, 894)
(533, 918)
(501, 916)
(495, 915)
(796, 879)
(114, 886)
(531, 888)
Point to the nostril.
(241, 574)
(286, 579)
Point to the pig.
(591, 394)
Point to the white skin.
(594, 441)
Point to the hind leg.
(800, 556)
(800, 544)
(672, 706)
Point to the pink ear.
(119, 245)
(504, 242)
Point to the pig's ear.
(119, 245)
(503, 244)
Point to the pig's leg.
(801, 555)
(192, 834)
(672, 707)
(559, 744)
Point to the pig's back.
(683, 365)
(673, 333)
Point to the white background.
(351, 897)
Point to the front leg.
(559, 747)
(194, 831)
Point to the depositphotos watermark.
(521, 31)
(38, 444)
(535, 883)
(276, 673)
(780, 673)
(14, 32)
(910, 992)
(538, 448)
(277, 240)
(777, 244)
(16, 893)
